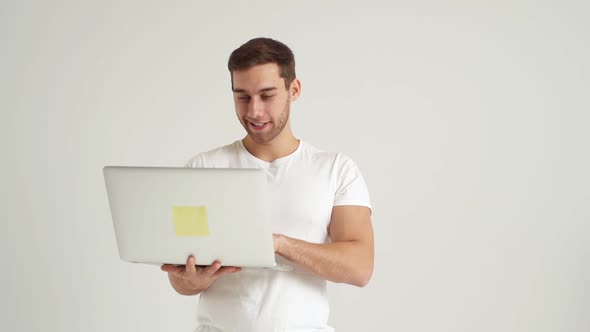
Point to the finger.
(226, 270)
(172, 268)
(211, 269)
(191, 265)
(167, 267)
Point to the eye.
(243, 98)
(267, 96)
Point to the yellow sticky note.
(190, 220)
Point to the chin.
(261, 140)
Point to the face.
(262, 102)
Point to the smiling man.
(321, 213)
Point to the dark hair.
(259, 51)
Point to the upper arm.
(351, 223)
(351, 213)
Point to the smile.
(258, 125)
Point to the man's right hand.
(190, 279)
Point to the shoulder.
(220, 153)
(343, 173)
(336, 160)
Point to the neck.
(282, 145)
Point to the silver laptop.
(163, 215)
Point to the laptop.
(161, 215)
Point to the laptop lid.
(164, 214)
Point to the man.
(320, 210)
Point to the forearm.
(344, 262)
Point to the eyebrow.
(259, 91)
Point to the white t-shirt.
(304, 187)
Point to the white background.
(469, 120)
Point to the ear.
(295, 90)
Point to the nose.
(255, 107)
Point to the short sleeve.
(351, 188)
